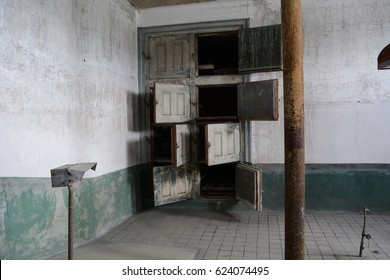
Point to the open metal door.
(170, 56)
(172, 184)
(249, 185)
(171, 103)
(258, 101)
(260, 49)
(222, 143)
(171, 144)
(183, 144)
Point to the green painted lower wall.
(34, 216)
(327, 188)
(331, 190)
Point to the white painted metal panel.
(169, 57)
(172, 103)
(223, 143)
(171, 184)
(183, 144)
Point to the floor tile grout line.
(334, 235)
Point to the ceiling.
(144, 4)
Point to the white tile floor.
(246, 234)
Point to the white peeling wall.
(260, 12)
(68, 85)
(347, 100)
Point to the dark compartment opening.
(217, 102)
(162, 144)
(218, 54)
(218, 180)
(201, 136)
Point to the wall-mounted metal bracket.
(67, 175)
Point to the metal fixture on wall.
(65, 176)
(384, 59)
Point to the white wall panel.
(68, 85)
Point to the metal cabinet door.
(170, 56)
(172, 184)
(260, 49)
(249, 185)
(171, 144)
(222, 143)
(183, 144)
(258, 101)
(171, 103)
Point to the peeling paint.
(29, 216)
(34, 216)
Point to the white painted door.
(171, 184)
(170, 56)
(222, 143)
(183, 144)
(171, 103)
(249, 185)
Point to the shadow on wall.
(143, 191)
(134, 119)
(133, 147)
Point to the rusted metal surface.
(294, 129)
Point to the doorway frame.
(143, 35)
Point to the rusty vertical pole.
(70, 221)
(293, 129)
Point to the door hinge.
(195, 175)
(146, 56)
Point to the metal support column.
(293, 129)
(70, 221)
